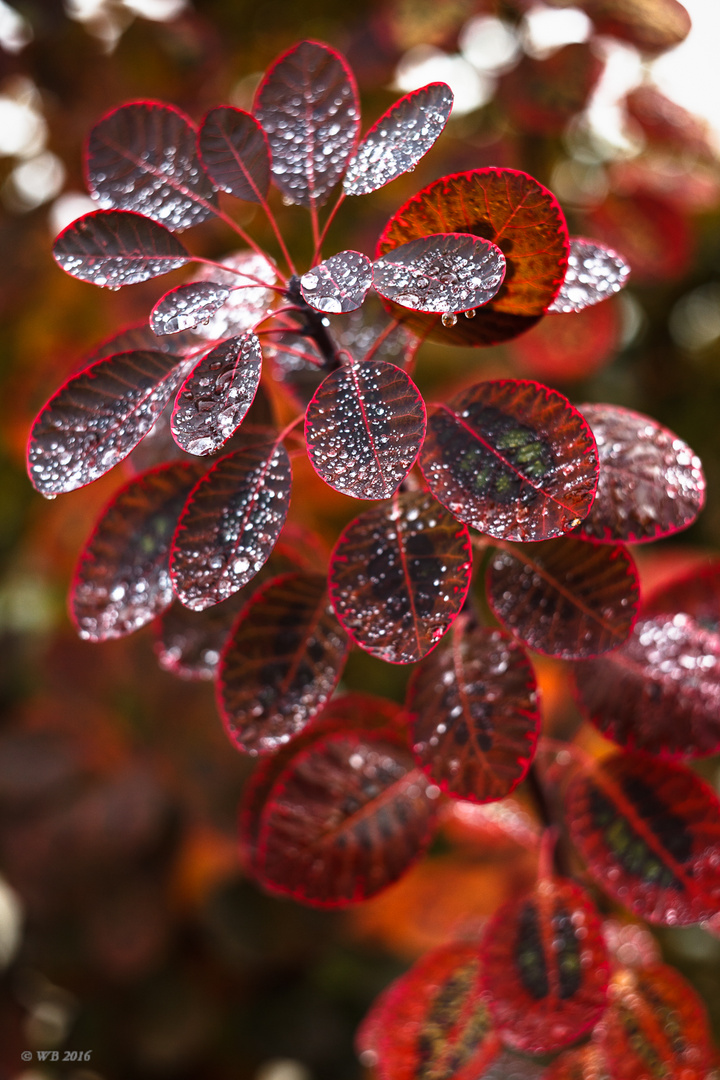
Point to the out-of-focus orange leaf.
(653, 26)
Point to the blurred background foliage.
(126, 925)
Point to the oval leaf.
(475, 719)
(187, 306)
(566, 598)
(447, 272)
(399, 576)
(230, 524)
(511, 458)
(235, 153)
(399, 139)
(338, 284)
(651, 25)
(649, 831)
(594, 272)
(281, 664)
(651, 483)
(189, 643)
(545, 968)
(364, 428)
(696, 593)
(97, 417)
(139, 338)
(308, 106)
(112, 248)
(122, 580)
(142, 157)
(570, 347)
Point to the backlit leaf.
(512, 458)
(475, 719)
(235, 153)
(281, 663)
(594, 272)
(399, 575)
(651, 25)
(649, 831)
(248, 301)
(569, 347)
(540, 95)
(653, 235)
(122, 579)
(364, 428)
(186, 306)
(308, 106)
(651, 483)
(696, 593)
(545, 968)
(142, 157)
(230, 524)
(667, 124)
(97, 417)
(567, 597)
(338, 284)
(399, 139)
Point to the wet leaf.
(215, 397)
(545, 968)
(189, 643)
(230, 524)
(360, 332)
(281, 663)
(308, 106)
(571, 346)
(512, 458)
(364, 428)
(475, 719)
(112, 248)
(97, 417)
(235, 153)
(660, 691)
(297, 364)
(696, 593)
(594, 272)
(344, 820)
(142, 157)
(186, 306)
(651, 483)
(122, 579)
(514, 212)
(399, 575)
(649, 831)
(399, 139)
(653, 235)
(248, 301)
(567, 598)
(338, 284)
(139, 337)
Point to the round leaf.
(339, 284)
(187, 306)
(594, 272)
(112, 248)
(571, 346)
(189, 643)
(696, 593)
(653, 235)
(235, 153)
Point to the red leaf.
(364, 428)
(652, 234)
(447, 272)
(308, 105)
(339, 284)
(570, 346)
(474, 715)
(112, 248)
(594, 273)
(540, 96)
(235, 153)
(649, 831)
(139, 338)
(186, 306)
(545, 968)
(566, 598)
(666, 124)
(399, 576)
(188, 643)
(696, 593)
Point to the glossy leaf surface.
(235, 153)
(339, 284)
(281, 663)
(475, 719)
(649, 831)
(660, 691)
(230, 524)
(189, 643)
(594, 273)
(249, 299)
(215, 397)
(696, 593)
(567, 597)
(399, 575)
(308, 106)
(97, 417)
(112, 248)
(447, 272)
(512, 458)
(187, 306)
(364, 428)
(651, 483)
(545, 968)
(399, 139)
(344, 820)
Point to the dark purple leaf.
(308, 106)
(186, 306)
(297, 364)
(235, 153)
(475, 719)
(444, 272)
(511, 458)
(139, 337)
(567, 598)
(594, 272)
(189, 643)
(212, 402)
(338, 284)
(281, 663)
(696, 593)
(248, 301)
(112, 248)
(360, 331)
(230, 524)
(97, 417)
(122, 579)
(364, 428)
(143, 157)
(651, 483)
(399, 575)
(399, 139)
